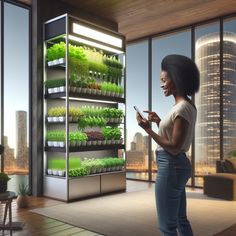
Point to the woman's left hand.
(144, 123)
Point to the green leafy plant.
(4, 177)
(23, 189)
(55, 83)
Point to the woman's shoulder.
(185, 109)
(187, 104)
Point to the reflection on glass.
(207, 132)
(136, 94)
(229, 88)
(16, 94)
(178, 43)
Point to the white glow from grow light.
(97, 45)
(99, 36)
(89, 100)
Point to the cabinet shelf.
(76, 122)
(85, 148)
(81, 96)
(79, 177)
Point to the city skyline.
(16, 158)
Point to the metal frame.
(150, 106)
(2, 82)
(61, 188)
(191, 27)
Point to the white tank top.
(186, 111)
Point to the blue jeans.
(172, 176)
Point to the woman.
(180, 78)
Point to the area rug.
(134, 214)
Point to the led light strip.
(89, 100)
(99, 36)
(97, 45)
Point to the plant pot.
(61, 173)
(50, 143)
(62, 60)
(55, 119)
(72, 143)
(89, 143)
(50, 119)
(22, 201)
(55, 172)
(56, 90)
(75, 118)
(3, 186)
(99, 142)
(50, 90)
(61, 118)
(61, 144)
(78, 90)
(56, 144)
(83, 143)
(73, 89)
(94, 142)
(62, 89)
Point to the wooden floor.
(37, 225)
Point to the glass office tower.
(207, 134)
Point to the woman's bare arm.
(179, 132)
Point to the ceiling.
(140, 18)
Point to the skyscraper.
(21, 139)
(207, 138)
(138, 139)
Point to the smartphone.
(139, 112)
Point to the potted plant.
(4, 178)
(22, 198)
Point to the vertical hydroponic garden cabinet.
(84, 109)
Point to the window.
(136, 94)
(16, 94)
(178, 43)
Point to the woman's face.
(167, 85)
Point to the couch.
(222, 184)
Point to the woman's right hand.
(153, 117)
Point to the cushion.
(230, 165)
